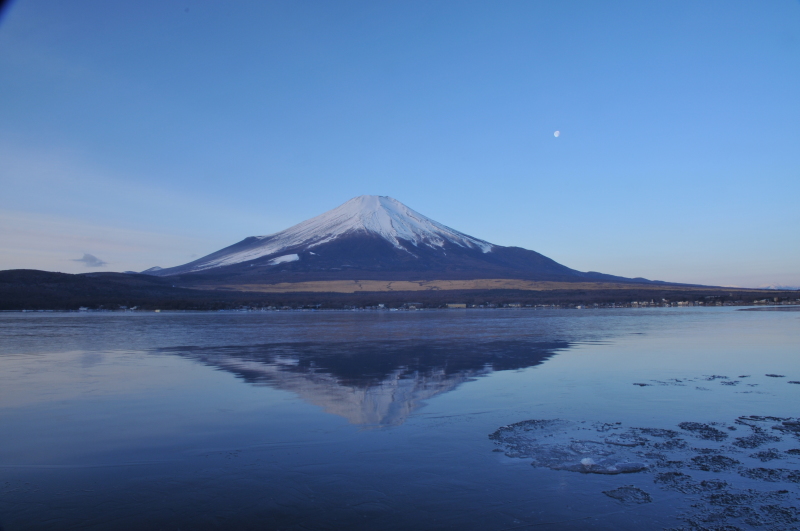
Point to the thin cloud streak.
(89, 260)
(36, 241)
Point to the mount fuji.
(372, 238)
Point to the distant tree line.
(40, 290)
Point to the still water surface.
(335, 420)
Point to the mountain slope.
(371, 237)
(367, 215)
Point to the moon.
(557, 134)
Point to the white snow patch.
(283, 259)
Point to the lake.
(663, 418)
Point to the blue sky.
(151, 133)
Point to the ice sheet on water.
(726, 483)
(551, 444)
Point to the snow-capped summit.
(371, 237)
(373, 215)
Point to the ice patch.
(629, 494)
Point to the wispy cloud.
(89, 260)
(36, 241)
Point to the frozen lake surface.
(674, 418)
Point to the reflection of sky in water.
(208, 420)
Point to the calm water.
(382, 420)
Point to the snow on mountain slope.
(378, 215)
(283, 259)
(384, 216)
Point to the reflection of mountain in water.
(371, 382)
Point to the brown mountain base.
(359, 286)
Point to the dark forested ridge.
(26, 289)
